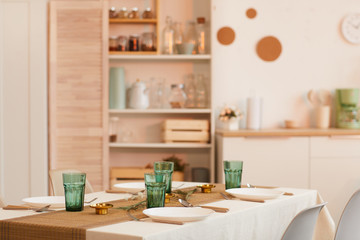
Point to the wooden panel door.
(78, 89)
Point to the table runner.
(63, 225)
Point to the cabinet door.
(269, 161)
(336, 179)
(78, 92)
(335, 167)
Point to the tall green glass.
(233, 172)
(74, 186)
(168, 169)
(155, 189)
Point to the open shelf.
(154, 56)
(129, 20)
(160, 111)
(160, 145)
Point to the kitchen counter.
(288, 132)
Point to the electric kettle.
(139, 95)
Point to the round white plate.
(135, 187)
(131, 187)
(183, 214)
(54, 201)
(254, 193)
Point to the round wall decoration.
(251, 13)
(268, 48)
(226, 35)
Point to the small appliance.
(347, 108)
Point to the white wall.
(314, 55)
(23, 99)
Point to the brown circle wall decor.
(251, 13)
(226, 35)
(268, 48)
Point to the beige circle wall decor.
(268, 48)
(226, 35)
(251, 13)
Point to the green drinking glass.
(155, 189)
(233, 172)
(166, 168)
(74, 186)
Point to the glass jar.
(123, 13)
(134, 43)
(168, 35)
(147, 14)
(113, 44)
(134, 13)
(113, 13)
(148, 42)
(177, 96)
(122, 43)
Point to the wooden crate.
(133, 174)
(186, 130)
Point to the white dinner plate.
(54, 201)
(254, 193)
(183, 214)
(135, 187)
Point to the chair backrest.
(348, 227)
(57, 181)
(303, 224)
(2, 204)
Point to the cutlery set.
(17, 207)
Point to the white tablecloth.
(245, 221)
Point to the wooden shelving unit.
(145, 125)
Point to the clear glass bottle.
(190, 38)
(113, 129)
(168, 35)
(201, 35)
(157, 93)
(201, 93)
(177, 96)
(179, 36)
(190, 91)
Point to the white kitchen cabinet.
(335, 170)
(268, 161)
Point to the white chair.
(2, 204)
(56, 181)
(303, 225)
(348, 227)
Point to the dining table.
(246, 219)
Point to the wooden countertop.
(288, 132)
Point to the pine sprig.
(133, 206)
(185, 194)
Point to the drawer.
(335, 146)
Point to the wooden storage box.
(186, 131)
(133, 174)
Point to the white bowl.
(185, 48)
